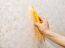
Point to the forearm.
(56, 38)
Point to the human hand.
(44, 26)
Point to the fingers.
(44, 19)
(45, 22)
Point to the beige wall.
(16, 27)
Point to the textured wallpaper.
(16, 29)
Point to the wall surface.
(16, 29)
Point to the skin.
(44, 28)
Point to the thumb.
(40, 27)
(36, 24)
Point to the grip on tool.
(36, 18)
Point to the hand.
(44, 26)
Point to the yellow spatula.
(36, 18)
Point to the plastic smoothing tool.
(40, 36)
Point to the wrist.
(48, 32)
